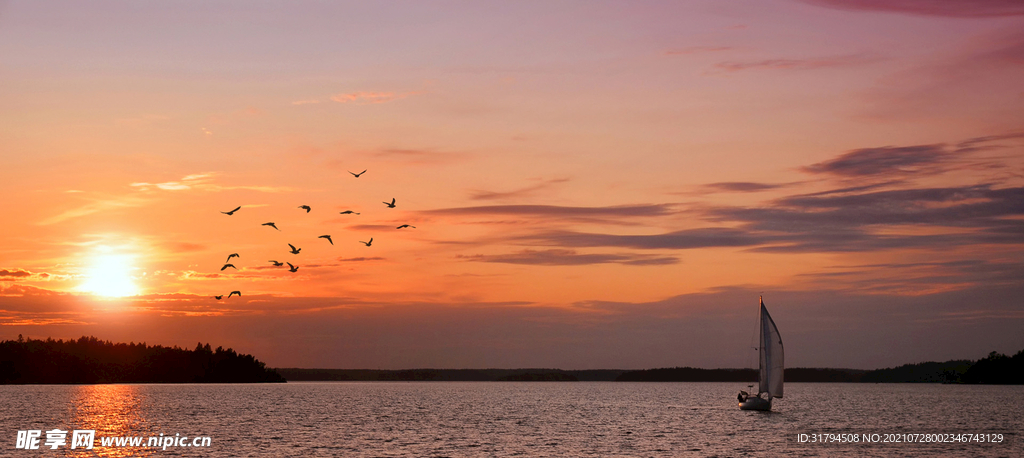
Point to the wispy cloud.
(643, 210)
(740, 186)
(518, 193)
(97, 205)
(977, 78)
(917, 278)
(203, 182)
(187, 182)
(676, 240)
(421, 156)
(811, 63)
(698, 50)
(183, 247)
(946, 8)
(365, 98)
(884, 160)
(888, 162)
(361, 259)
(562, 257)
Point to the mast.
(762, 367)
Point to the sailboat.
(771, 369)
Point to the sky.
(589, 184)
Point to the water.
(532, 419)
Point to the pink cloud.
(370, 97)
(794, 64)
(947, 8)
(698, 50)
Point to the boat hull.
(756, 403)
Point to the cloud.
(183, 247)
(883, 160)
(916, 278)
(25, 290)
(561, 257)
(976, 79)
(892, 214)
(361, 259)
(881, 220)
(518, 193)
(96, 206)
(17, 273)
(365, 98)
(645, 210)
(677, 240)
(945, 8)
(203, 182)
(902, 161)
(371, 227)
(420, 156)
(698, 50)
(986, 142)
(305, 102)
(743, 186)
(795, 64)
(187, 182)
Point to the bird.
(392, 204)
(232, 212)
(326, 237)
(405, 225)
(277, 264)
(229, 265)
(357, 174)
(367, 243)
(232, 255)
(295, 250)
(292, 268)
(270, 224)
(305, 207)
(218, 297)
(239, 293)
(347, 212)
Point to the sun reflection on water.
(113, 411)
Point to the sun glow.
(110, 276)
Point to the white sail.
(772, 356)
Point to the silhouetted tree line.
(451, 375)
(688, 374)
(90, 360)
(693, 374)
(929, 372)
(995, 369)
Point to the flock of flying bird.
(294, 250)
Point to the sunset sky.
(592, 184)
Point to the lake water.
(512, 419)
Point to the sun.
(110, 276)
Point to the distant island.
(89, 360)
(994, 369)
